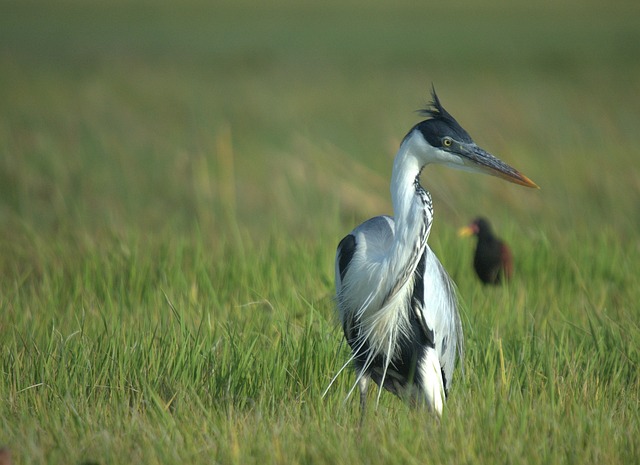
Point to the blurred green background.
(145, 115)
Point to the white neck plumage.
(412, 207)
(413, 212)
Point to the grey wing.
(344, 256)
(369, 239)
(441, 313)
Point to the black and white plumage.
(396, 302)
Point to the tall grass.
(174, 181)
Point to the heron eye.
(447, 142)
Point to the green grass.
(173, 184)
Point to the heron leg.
(363, 384)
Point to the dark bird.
(396, 302)
(492, 260)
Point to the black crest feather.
(439, 123)
(435, 109)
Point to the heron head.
(444, 141)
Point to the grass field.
(174, 180)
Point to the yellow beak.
(465, 232)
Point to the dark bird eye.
(447, 142)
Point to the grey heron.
(396, 302)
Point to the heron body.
(492, 259)
(396, 302)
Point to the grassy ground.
(174, 181)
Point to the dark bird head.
(479, 227)
(441, 139)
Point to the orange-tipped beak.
(477, 159)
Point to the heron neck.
(412, 206)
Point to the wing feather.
(440, 312)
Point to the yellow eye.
(447, 142)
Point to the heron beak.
(466, 231)
(478, 159)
